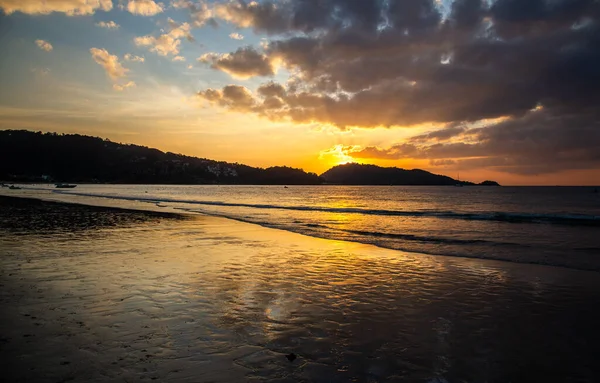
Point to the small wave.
(314, 225)
(513, 252)
(535, 218)
(438, 240)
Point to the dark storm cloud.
(538, 142)
(245, 62)
(404, 62)
(441, 135)
(280, 17)
(235, 97)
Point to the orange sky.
(263, 90)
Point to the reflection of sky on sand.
(224, 301)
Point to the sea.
(558, 226)
(300, 284)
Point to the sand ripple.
(211, 300)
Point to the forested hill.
(357, 174)
(27, 156)
(35, 156)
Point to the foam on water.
(554, 226)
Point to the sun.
(345, 161)
(336, 155)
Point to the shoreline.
(146, 207)
(36, 201)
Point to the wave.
(509, 217)
(463, 248)
(418, 238)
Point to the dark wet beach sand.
(104, 294)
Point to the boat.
(458, 184)
(65, 186)
(13, 187)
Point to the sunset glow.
(446, 86)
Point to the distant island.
(489, 183)
(357, 174)
(27, 156)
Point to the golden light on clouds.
(364, 81)
(242, 64)
(109, 62)
(108, 25)
(120, 87)
(167, 43)
(44, 45)
(144, 7)
(69, 7)
(113, 67)
(134, 58)
(337, 155)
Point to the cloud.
(514, 83)
(236, 36)
(108, 25)
(178, 58)
(41, 71)
(272, 89)
(115, 71)
(200, 12)
(263, 16)
(166, 43)
(44, 45)
(109, 62)
(134, 58)
(244, 63)
(539, 142)
(531, 67)
(129, 84)
(44, 7)
(235, 97)
(442, 134)
(402, 63)
(144, 7)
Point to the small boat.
(459, 184)
(65, 186)
(13, 187)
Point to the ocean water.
(557, 226)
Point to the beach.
(108, 294)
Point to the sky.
(506, 90)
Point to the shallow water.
(213, 300)
(545, 225)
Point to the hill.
(35, 156)
(27, 156)
(489, 183)
(357, 174)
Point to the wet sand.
(103, 294)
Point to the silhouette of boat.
(458, 184)
(65, 186)
(13, 187)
